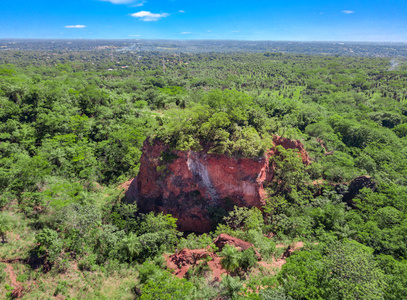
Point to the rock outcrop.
(189, 184)
(183, 260)
(225, 239)
(354, 188)
(291, 144)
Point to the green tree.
(230, 260)
(348, 271)
(5, 225)
(159, 284)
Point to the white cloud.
(235, 31)
(147, 16)
(75, 26)
(185, 32)
(135, 35)
(348, 12)
(181, 11)
(137, 2)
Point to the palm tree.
(5, 225)
(230, 259)
(131, 246)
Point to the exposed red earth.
(186, 183)
(185, 259)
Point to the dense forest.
(72, 129)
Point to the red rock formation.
(186, 183)
(293, 144)
(181, 261)
(189, 257)
(225, 239)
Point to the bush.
(274, 294)
(3, 274)
(245, 219)
(248, 259)
(49, 244)
(22, 277)
(347, 271)
(62, 288)
(88, 263)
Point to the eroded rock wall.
(187, 183)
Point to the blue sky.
(357, 20)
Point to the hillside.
(77, 128)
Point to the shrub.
(247, 259)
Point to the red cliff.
(187, 183)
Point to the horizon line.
(191, 40)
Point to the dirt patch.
(125, 185)
(18, 290)
(216, 268)
(290, 249)
(182, 261)
(279, 262)
(12, 275)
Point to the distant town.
(202, 46)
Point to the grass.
(74, 284)
(116, 283)
(20, 240)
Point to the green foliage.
(339, 167)
(63, 193)
(233, 286)
(354, 273)
(155, 234)
(159, 284)
(62, 288)
(121, 152)
(291, 177)
(130, 247)
(3, 274)
(22, 277)
(49, 244)
(45, 239)
(401, 130)
(108, 242)
(395, 276)
(71, 132)
(124, 216)
(78, 224)
(221, 120)
(303, 275)
(245, 219)
(274, 294)
(5, 225)
(348, 271)
(192, 241)
(247, 259)
(88, 263)
(231, 258)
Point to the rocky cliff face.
(188, 184)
